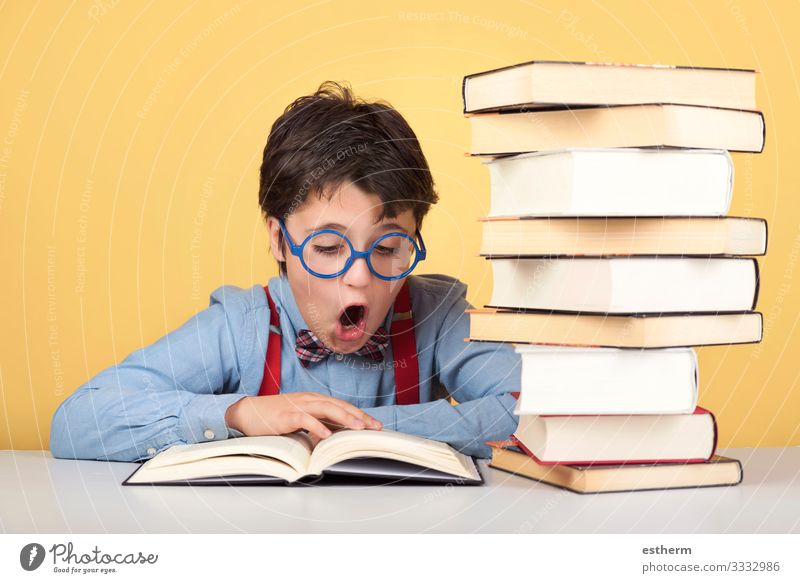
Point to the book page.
(293, 449)
(215, 467)
(387, 444)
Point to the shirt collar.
(282, 295)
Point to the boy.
(345, 337)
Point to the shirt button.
(208, 434)
(339, 356)
(151, 451)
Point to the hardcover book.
(614, 331)
(617, 439)
(718, 471)
(608, 182)
(626, 285)
(542, 84)
(619, 126)
(383, 456)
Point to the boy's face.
(322, 302)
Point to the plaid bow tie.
(311, 350)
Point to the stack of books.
(612, 256)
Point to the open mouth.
(351, 322)
(351, 316)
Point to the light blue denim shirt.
(177, 390)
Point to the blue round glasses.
(327, 253)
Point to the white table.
(40, 494)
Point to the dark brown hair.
(326, 139)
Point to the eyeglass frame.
(297, 250)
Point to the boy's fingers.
(314, 426)
(332, 412)
(368, 420)
(349, 407)
(371, 422)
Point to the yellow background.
(131, 135)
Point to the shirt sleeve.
(480, 376)
(174, 391)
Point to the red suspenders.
(271, 383)
(404, 348)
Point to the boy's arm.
(479, 375)
(172, 392)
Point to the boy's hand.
(280, 414)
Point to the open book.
(386, 456)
